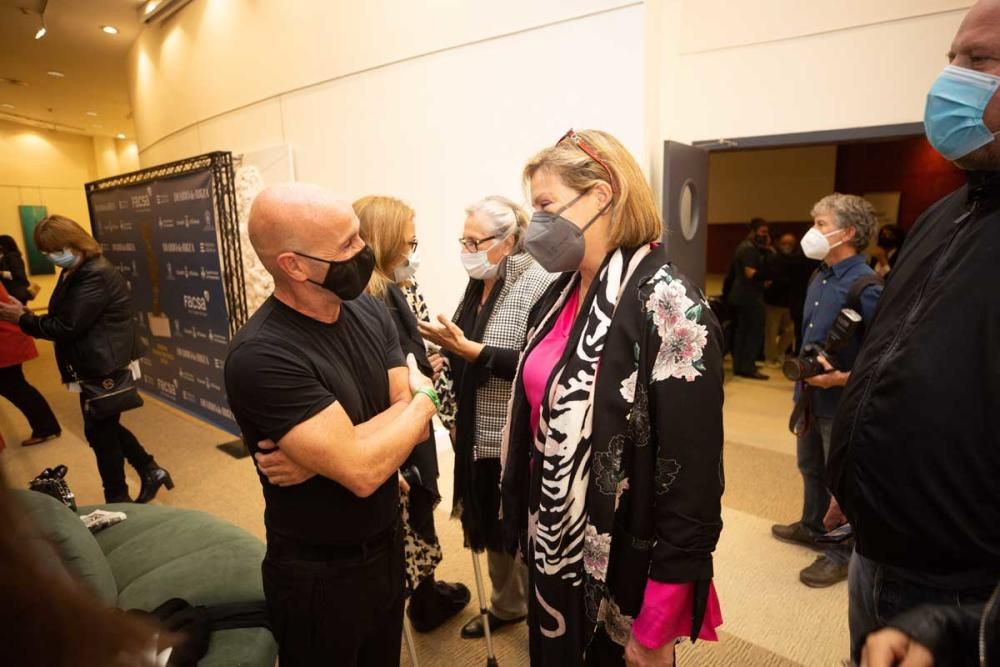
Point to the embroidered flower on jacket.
(596, 551)
(616, 624)
(606, 469)
(666, 473)
(622, 488)
(628, 386)
(638, 418)
(682, 337)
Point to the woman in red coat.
(17, 347)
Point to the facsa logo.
(197, 303)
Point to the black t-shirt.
(284, 368)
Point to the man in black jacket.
(746, 296)
(916, 441)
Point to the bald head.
(977, 46)
(298, 217)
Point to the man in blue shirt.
(843, 225)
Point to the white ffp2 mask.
(815, 244)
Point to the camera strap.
(802, 412)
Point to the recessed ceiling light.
(91, 113)
(41, 32)
(151, 6)
(56, 74)
(6, 106)
(110, 29)
(119, 136)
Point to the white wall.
(43, 168)
(777, 66)
(440, 118)
(441, 101)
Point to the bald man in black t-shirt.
(327, 405)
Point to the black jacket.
(915, 458)
(17, 284)
(966, 636)
(91, 320)
(424, 456)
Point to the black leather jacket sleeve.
(75, 316)
(950, 632)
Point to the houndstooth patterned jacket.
(524, 283)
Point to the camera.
(807, 365)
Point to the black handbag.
(110, 395)
(52, 482)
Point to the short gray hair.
(850, 211)
(503, 216)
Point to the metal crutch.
(410, 646)
(491, 660)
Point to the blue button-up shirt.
(825, 298)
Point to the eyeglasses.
(472, 245)
(413, 245)
(582, 144)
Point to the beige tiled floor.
(771, 619)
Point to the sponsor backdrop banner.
(163, 237)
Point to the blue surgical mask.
(953, 117)
(64, 258)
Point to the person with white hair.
(483, 343)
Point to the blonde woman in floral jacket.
(613, 479)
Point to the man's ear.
(292, 266)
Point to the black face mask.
(762, 240)
(347, 278)
(888, 243)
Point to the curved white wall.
(440, 101)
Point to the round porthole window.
(688, 210)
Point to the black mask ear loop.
(558, 214)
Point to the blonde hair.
(634, 218)
(57, 232)
(383, 227)
(503, 216)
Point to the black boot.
(153, 477)
(434, 602)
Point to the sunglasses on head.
(582, 144)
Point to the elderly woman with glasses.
(483, 343)
(612, 480)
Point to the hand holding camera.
(815, 364)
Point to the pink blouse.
(666, 608)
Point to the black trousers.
(15, 388)
(113, 444)
(340, 610)
(749, 337)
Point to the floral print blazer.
(656, 478)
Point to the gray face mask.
(555, 242)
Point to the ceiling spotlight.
(91, 113)
(110, 29)
(41, 15)
(56, 74)
(119, 136)
(150, 7)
